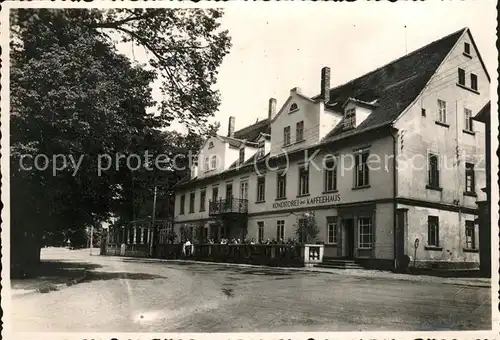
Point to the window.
(299, 136)
(350, 119)
(281, 185)
(206, 164)
(215, 194)
(214, 162)
(229, 190)
(365, 235)
(433, 171)
(332, 229)
(210, 144)
(467, 48)
(468, 119)
(293, 107)
(470, 235)
(469, 178)
(280, 230)
(442, 111)
(461, 76)
(191, 202)
(330, 176)
(433, 231)
(203, 197)
(304, 180)
(473, 81)
(244, 190)
(261, 189)
(261, 147)
(260, 235)
(183, 201)
(286, 135)
(423, 112)
(242, 155)
(362, 178)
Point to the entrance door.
(229, 196)
(244, 196)
(244, 190)
(214, 232)
(348, 233)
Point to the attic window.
(210, 144)
(261, 149)
(293, 107)
(467, 48)
(350, 119)
(242, 155)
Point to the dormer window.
(350, 119)
(293, 107)
(242, 155)
(261, 151)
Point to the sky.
(278, 46)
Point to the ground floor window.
(433, 231)
(280, 230)
(470, 235)
(260, 232)
(332, 229)
(365, 232)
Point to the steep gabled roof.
(395, 86)
(484, 114)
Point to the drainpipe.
(395, 191)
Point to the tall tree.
(73, 94)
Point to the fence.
(132, 250)
(282, 255)
(262, 254)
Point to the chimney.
(230, 127)
(295, 90)
(325, 84)
(272, 108)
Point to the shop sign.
(307, 201)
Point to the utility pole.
(91, 237)
(152, 232)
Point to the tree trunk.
(25, 247)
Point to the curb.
(421, 279)
(52, 287)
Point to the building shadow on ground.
(100, 276)
(52, 275)
(464, 273)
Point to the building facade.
(389, 164)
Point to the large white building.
(390, 164)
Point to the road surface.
(135, 295)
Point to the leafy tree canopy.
(72, 93)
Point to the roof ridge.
(248, 126)
(396, 60)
